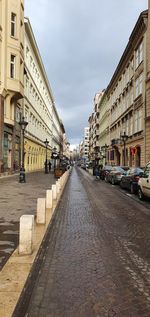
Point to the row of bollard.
(28, 223)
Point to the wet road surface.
(97, 259)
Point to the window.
(147, 170)
(18, 114)
(139, 55)
(136, 88)
(138, 120)
(13, 24)
(139, 86)
(12, 66)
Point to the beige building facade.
(38, 103)
(39, 109)
(147, 114)
(126, 95)
(11, 81)
(94, 129)
(104, 116)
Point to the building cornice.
(134, 39)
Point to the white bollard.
(54, 193)
(49, 199)
(57, 188)
(41, 211)
(26, 234)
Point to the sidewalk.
(17, 199)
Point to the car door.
(146, 181)
(128, 178)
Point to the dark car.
(130, 180)
(104, 171)
(115, 175)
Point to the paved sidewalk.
(15, 200)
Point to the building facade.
(147, 114)
(86, 143)
(39, 108)
(104, 116)
(11, 81)
(126, 100)
(94, 130)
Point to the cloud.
(81, 43)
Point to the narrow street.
(96, 258)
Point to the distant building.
(86, 143)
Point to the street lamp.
(54, 156)
(46, 165)
(104, 148)
(124, 138)
(22, 177)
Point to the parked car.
(104, 171)
(130, 180)
(144, 183)
(115, 175)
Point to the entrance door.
(138, 156)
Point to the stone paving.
(15, 200)
(97, 259)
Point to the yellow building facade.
(11, 81)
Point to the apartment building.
(104, 115)
(11, 81)
(94, 132)
(86, 143)
(147, 114)
(126, 95)
(39, 108)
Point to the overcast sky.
(81, 42)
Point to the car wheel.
(113, 181)
(131, 188)
(140, 194)
(121, 184)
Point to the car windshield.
(119, 169)
(138, 170)
(107, 167)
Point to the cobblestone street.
(18, 199)
(97, 258)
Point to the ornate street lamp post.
(124, 138)
(104, 148)
(46, 165)
(54, 156)
(22, 177)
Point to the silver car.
(115, 175)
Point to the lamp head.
(23, 124)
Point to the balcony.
(115, 142)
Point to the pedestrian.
(97, 172)
(49, 165)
